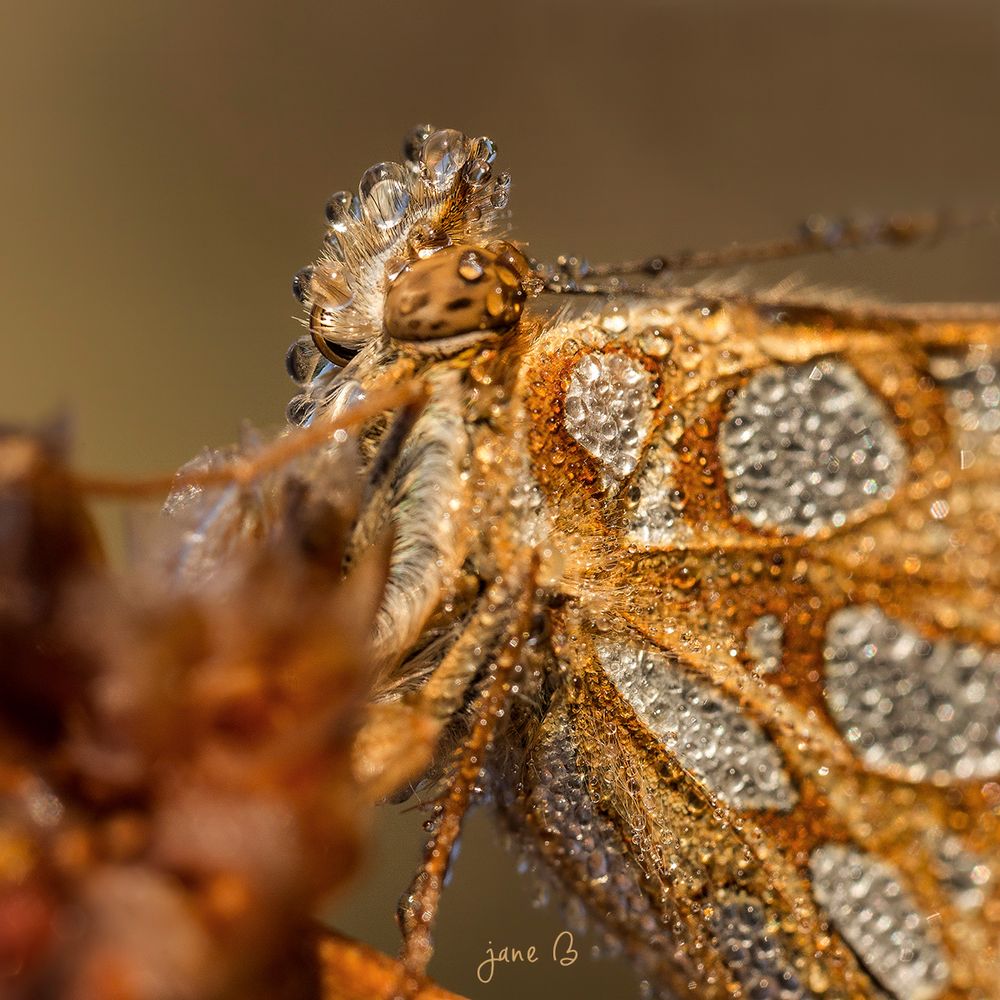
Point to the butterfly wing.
(777, 530)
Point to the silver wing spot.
(704, 728)
(901, 701)
(878, 918)
(608, 409)
(805, 447)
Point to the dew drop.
(300, 409)
(342, 209)
(614, 318)
(300, 283)
(656, 342)
(385, 194)
(483, 148)
(501, 191)
(477, 172)
(424, 240)
(444, 153)
(470, 266)
(300, 361)
(330, 287)
(690, 357)
(413, 142)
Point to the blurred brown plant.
(176, 791)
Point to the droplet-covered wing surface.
(778, 532)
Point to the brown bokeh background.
(164, 167)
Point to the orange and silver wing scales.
(771, 765)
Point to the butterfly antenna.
(817, 235)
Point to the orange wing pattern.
(773, 769)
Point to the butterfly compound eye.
(456, 293)
(329, 291)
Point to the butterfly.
(696, 585)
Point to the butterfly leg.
(419, 905)
(387, 763)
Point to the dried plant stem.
(244, 470)
(353, 971)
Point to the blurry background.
(165, 164)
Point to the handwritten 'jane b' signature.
(563, 953)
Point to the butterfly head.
(414, 255)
